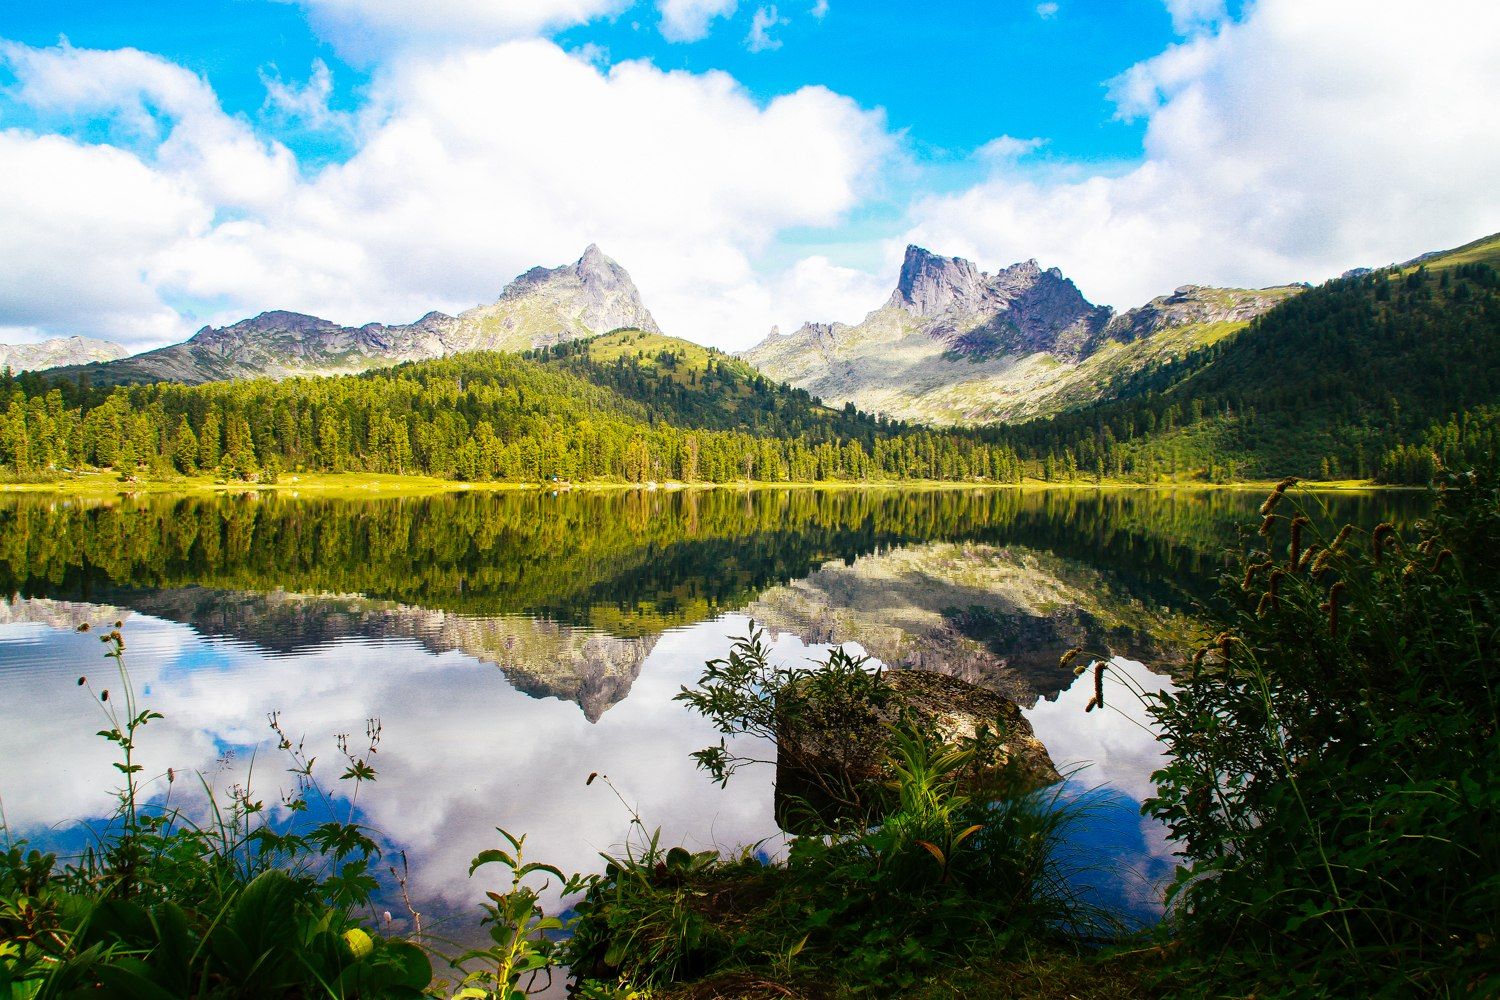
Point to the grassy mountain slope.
(1322, 385)
(688, 385)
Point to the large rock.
(827, 772)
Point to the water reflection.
(595, 609)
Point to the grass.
(357, 485)
(1481, 251)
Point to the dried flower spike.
(1099, 684)
(1334, 593)
(1382, 531)
(1298, 523)
(1067, 657)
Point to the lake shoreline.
(366, 485)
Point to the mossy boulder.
(833, 763)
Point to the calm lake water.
(512, 644)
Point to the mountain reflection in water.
(595, 608)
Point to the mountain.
(954, 345)
(58, 352)
(1324, 385)
(540, 308)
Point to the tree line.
(475, 417)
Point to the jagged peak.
(931, 284)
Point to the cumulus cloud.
(306, 105)
(466, 171)
(819, 9)
(1195, 15)
(1304, 140)
(1046, 11)
(765, 20)
(689, 20)
(366, 29)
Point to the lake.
(511, 644)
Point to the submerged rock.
(831, 768)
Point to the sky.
(166, 164)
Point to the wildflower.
(104, 695)
(82, 681)
(1099, 684)
(1090, 706)
(1341, 537)
(1267, 524)
(171, 775)
(84, 627)
(1068, 656)
(1261, 608)
(1442, 557)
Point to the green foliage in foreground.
(1335, 760)
(166, 908)
(874, 903)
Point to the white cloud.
(819, 9)
(1046, 11)
(365, 29)
(1007, 149)
(307, 105)
(466, 171)
(1189, 16)
(688, 20)
(765, 19)
(1305, 140)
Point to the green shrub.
(1335, 753)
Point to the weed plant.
(1334, 760)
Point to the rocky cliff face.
(540, 308)
(954, 345)
(57, 352)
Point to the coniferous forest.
(546, 415)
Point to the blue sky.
(174, 163)
(953, 78)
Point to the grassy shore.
(105, 483)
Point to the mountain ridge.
(58, 352)
(539, 308)
(955, 345)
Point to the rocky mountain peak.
(57, 352)
(931, 285)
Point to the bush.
(932, 876)
(1334, 760)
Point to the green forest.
(1387, 375)
(543, 416)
